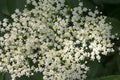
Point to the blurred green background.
(109, 67)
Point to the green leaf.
(107, 1)
(118, 61)
(37, 76)
(72, 3)
(95, 69)
(8, 7)
(88, 4)
(3, 7)
(1, 17)
(11, 4)
(7, 76)
(116, 25)
(15, 4)
(2, 76)
(112, 77)
(115, 12)
(20, 4)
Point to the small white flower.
(56, 42)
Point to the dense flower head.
(54, 39)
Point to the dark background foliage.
(109, 67)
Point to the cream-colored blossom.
(56, 39)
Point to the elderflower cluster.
(54, 39)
